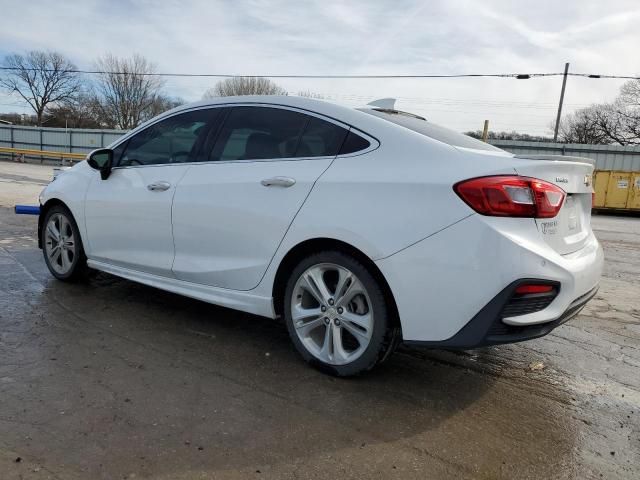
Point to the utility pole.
(485, 131)
(564, 84)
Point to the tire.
(319, 316)
(65, 258)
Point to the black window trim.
(374, 143)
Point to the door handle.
(159, 186)
(278, 182)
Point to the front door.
(128, 215)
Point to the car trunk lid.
(569, 230)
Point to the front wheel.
(336, 314)
(62, 246)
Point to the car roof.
(357, 118)
(347, 115)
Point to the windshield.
(422, 126)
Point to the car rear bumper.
(445, 283)
(487, 327)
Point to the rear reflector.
(511, 196)
(527, 289)
(529, 298)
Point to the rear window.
(428, 129)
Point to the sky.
(326, 37)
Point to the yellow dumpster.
(600, 182)
(617, 190)
(634, 192)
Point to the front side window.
(173, 140)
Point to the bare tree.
(513, 135)
(42, 79)
(82, 111)
(584, 126)
(627, 107)
(630, 93)
(616, 122)
(126, 90)
(613, 124)
(244, 86)
(162, 103)
(601, 124)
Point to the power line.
(519, 76)
(229, 75)
(595, 75)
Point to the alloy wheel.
(60, 245)
(332, 313)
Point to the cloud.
(333, 37)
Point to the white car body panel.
(70, 187)
(227, 225)
(443, 281)
(129, 225)
(218, 235)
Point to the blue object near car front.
(27, 210)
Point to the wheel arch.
(307, 247)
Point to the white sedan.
(361, 228)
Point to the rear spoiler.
(557, 158)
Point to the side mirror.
(101, 160)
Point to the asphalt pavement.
(111, 379)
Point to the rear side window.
(254, 133)
(354, 143)
(320, 139)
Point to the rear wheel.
(62, 246)
(336, 314)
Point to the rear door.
(570, 229)
(231, 211)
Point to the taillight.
(511, 196)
